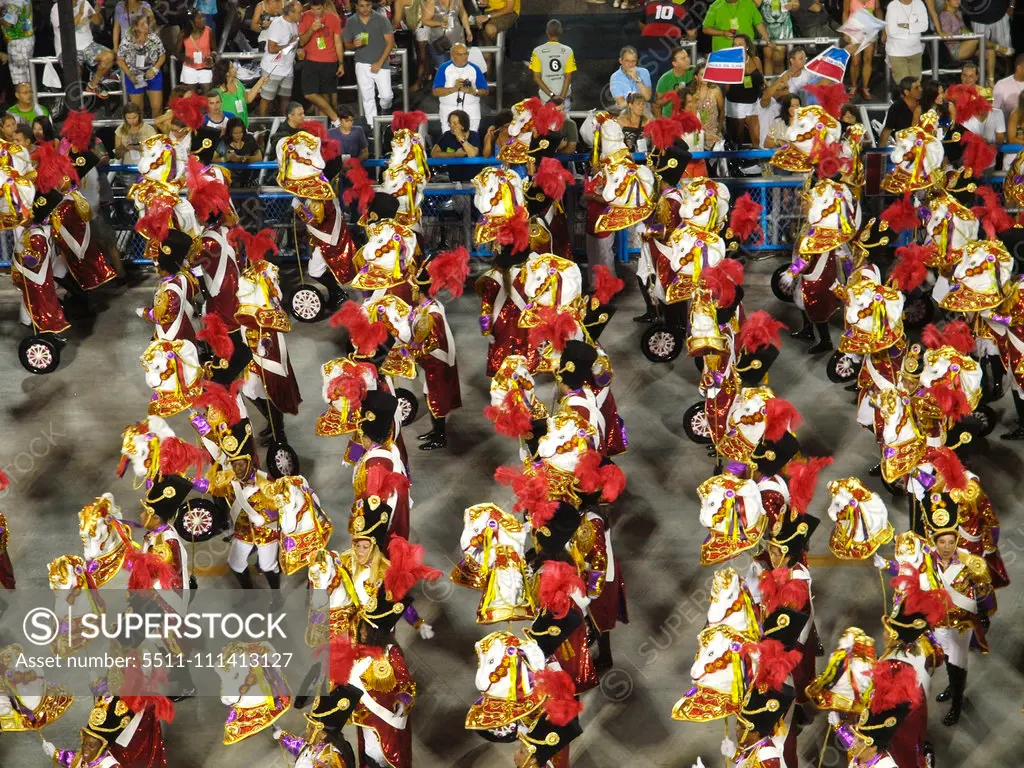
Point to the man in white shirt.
(799, 76)
(905, 22)
(1006, 92)
(459, 84)
(278, 63)
(991, 126)
(90, 53)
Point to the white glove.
(728, 747)
(49, 749)
(880, 562)
(787, 280)
(140, 312)
(834, 719)
(276, 733)
(426, 631)
(699, 763)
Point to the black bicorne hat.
(545, 739)
(771, 456)
(204, 144)
(576, 364)
(785, 625)
(174, 249)
(166, 496)
(45, 204)
(378, 415)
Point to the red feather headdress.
(555, 327)
(803, 477)
(606, 285)
(558, 582)
(449, 269)
(532, 494)
(745, 217)
(901, 215)
(77, 129)
(406, 567)
(53, 169)
(780, 417)
(978, 154)
(365, 336)
(409, 121)
(189, 110)
(560, 705)
(553, 177)
(360, 187)
(511, 418)
(911, 267)
(993, 217)
(760, 329)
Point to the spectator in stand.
(407, 15)
(324, 59)
(459, 141)
(90, 53)
(16, 20)
(294, 118)
(1006, 93)
(195, 51)
(933, 96)
(772, 102)
(789, 103)
(23, 136)
(278, 61)
(812, 20)
(216, 117)
(552, 64)
(42, 131)
(673, 81)
(694, 139)
(238, 146)
(629, 78)
(778, 21)
(990, 125)
(667, 19)
(497, 135)
(951, 22)
(901, 113)
(1014, 127)
(742, 122)
(25, 108)
(234, 96)
(969, 75)
(797, 76)
(728, 19)
(8, 124)
(351, 136)
(905, 22)
(710, 106)
(991, 18)
(499, 16)
(370, 35)
(141, 57)
(633, 119)
(209, 10)
(459, 84)
(445, 23)
(861, 64)
(130, 134)
(125, 13)
(263, 15)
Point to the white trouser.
(317, 267)
(367, 82)
(956, 644)
(266, 556)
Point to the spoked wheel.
(408, 405)
(986, 418)
(918, 311)
(282, 460)
(39, 354)
(201, 520)
(842, 368)
(695, 424)
(661, 343)
(782, 293)
(307, 304)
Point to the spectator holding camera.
(674, 80)
(552, 65)
(130, 134)
(459, 84)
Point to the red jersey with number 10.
(664, 18)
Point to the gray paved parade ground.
(61, 437)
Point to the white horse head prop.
(382, 263)
(173, 373)
(305, 528)
(506, 664)
(255, 695)
(862, 521)
(719, 675)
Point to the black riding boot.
(244, 579)
(824, 340)
(957, 683)
(336, 295)
(604, 652)
(437, 437)
(806, 332)
(997, 371)
(1018, 433)
(649, 316)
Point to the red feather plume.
(588, 472)
(515, 231)
(406, 567)
(722, 281)
(365, 336)
(449, 269)
(759, 330)
(132, 689)
(560, 705)
(215, 333)
(218, 397)
(148, 569)
(978, 154)
(555, 327)
(410, 121)
(156, 222)
(260, 244)
(774, 663)
(189, 110)
(957, 334)
(933, 604)
(384, 483)
(77, 129)
(208, 194)
(894, 683)
(689, 122)
(901, 215)
(342, 657)
(746, 214)
(53, 169)
(532, 494)
(951, 402)
(993, 217)
(949, 466)
(780, 590)
(553, 177)
(831, 97)
(558, 581)
(360, 188)
(911, 269)
(803, 477)
(512, 418)
(968, 102)
(613, 482)
(546, 117)
(780, 417)
(606, 285)
(349, 385)
(675, 101)
(828, 159)
(663, 132)
(5, 481)
(176, 456)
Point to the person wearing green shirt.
(680, 75)
(234, 96)
(26, 109)
(728, 18)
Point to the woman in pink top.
(195, 49)
(861, 63)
